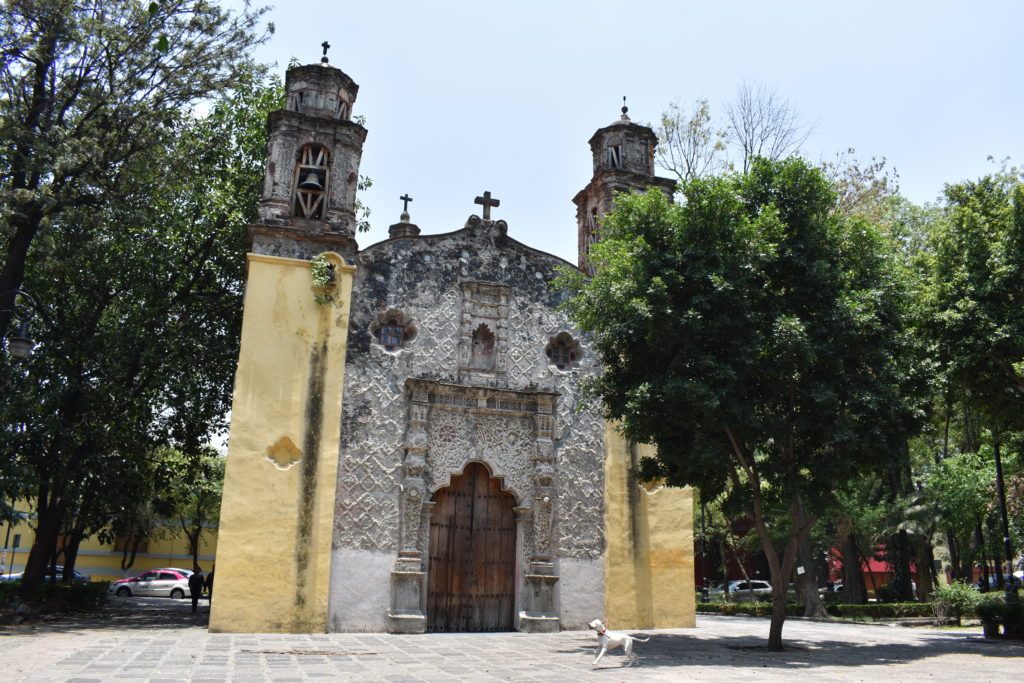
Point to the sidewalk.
(159, 640)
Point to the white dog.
(612, 639)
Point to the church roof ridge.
(430, 237)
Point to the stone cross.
(487, 203)
(405, 202)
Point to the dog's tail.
(642, 640)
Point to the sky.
(462, 97)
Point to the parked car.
(48, 575)
(171, 583)
(186, 572)
(753, 590)
(993, 581)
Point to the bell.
(312, 182)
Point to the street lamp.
(20, 344)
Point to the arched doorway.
(471, 584)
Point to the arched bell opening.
(312, 175)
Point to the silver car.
(744, 590)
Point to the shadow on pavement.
(674, 650)
(123, 613)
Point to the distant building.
(102, 562)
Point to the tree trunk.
(871, 575)
(808, 580)
(954, 554)
(925, 572)
(853, 578)
(903, 582)
(50, 518)
(131, 546)
(71, 554)
(778, 615)
(979, 554)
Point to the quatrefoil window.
(393, 329)
(563, 351)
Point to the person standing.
(209, 584)
(195, 587)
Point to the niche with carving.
(482, 355)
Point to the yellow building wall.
(277, 513)
(649, 581)
(101, 562)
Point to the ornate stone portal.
(509, 431)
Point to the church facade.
(407, 432)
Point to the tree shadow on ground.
(121, 613)
(674, 650)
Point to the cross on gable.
(487, 203)
(326, 46)
(405, 201)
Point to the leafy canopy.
(749, 316)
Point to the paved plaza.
(153, 639)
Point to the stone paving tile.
(720, 649)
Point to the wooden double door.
(471, 584)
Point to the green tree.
(196, 494)
(86, 89)
(139, 336)
(977, 270)
(755, 337)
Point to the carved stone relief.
(462, 429)
(450, 285)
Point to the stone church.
(408, 451)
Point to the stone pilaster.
(409, 576)
(539, 614)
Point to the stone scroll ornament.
(543, 478)
(542, 516)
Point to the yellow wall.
(277, 513)
(101, 562)
(649, 560)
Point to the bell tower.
(314, 148)
(623, 161)
(282, 470)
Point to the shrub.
(994, 612)
(72, 598)
(9, 592)
(954, 600)
(879, 610)
(754, 609)
(886, 593)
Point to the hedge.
(59, 597)
(886, 610)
